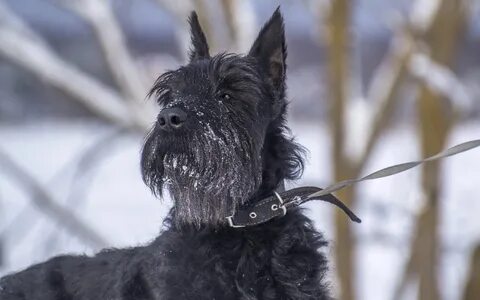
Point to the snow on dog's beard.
(218, 171)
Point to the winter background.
(73, 117)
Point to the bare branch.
(179, 9)
(440, 79)
(8, 18)
(22, 46)
(423, 14)
(240, 19)
(122, 66)
(392, 70)
(382, 91)
(45, 203)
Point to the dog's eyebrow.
(227, 65)
(161, 84)
(238, 78)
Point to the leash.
(278, 204)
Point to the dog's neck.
(282, 160)
(278, 156)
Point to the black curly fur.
(234, 151)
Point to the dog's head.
(219, 139)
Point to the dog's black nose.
(171, 118)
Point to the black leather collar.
(278, 204)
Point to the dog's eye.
(225, 96)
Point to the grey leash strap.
(277, 204)
(392, 170)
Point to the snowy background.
(47, 137)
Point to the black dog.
(219, 145)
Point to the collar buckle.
(231, 224)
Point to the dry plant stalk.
(391, 72)
(337, 41)
(382, 92)
(436, 119)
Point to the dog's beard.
(213, 174)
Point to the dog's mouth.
(207, 172)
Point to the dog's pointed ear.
(199, 47)
(270, 50)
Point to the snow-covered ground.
(121, 209)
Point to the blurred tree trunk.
(338, 61)
(472, 288)
(382, 94)
(435, 121)
(433, 131)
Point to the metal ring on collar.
(284, 209)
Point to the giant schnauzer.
(220, 149)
